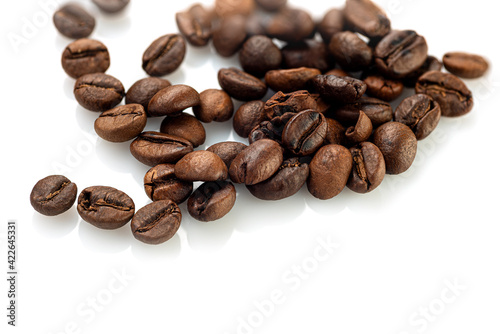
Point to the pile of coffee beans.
(328, 125)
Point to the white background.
(399, 248)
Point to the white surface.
(400, 247)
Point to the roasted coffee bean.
(157, 222)
(280, 104)
(368, 168)
(53, 195)
(164, 55)
(257, 162)
(309, 53)
(98, 91)
(215, 105)
(227, 150)
(290, 177)
(142, 91)
(256, 24)
(227, 8)
(259, 54)
(230, 35)
(322, 106)
(339, 89)
(335, 132)
(465, 65)
(201, 166)
(172, 100)
(378, 111)
(195, 24)
(451, 93)
(185, 126)
(420, 112)
(154, 148)
(272, 129)
(383, 88)
(105, 207)
(212, 201)
(121, 123)
(73, 21)
(111, 6)
(367, 18)
(350, 51)
(332, 23)
(361, 131)
(248, 116)
(329, 171)
(337, 72)
(160, 183)
(430, 64)
(305, 133)
(398, 144)
(240, 85)
(400, 53)
(85, 56)
(291, 25)
(290, 80)
(271, 5)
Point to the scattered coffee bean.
(164, 55)
(185, 126)
(160, 183)
(332, 23)
(240, 85)
(227, 150)
(142, 91)
(201, 166)
(73, 21)
(339, 89)
(154, 148)
(295, 102)
(259, 55)
(215, 105)
(121, 123)
(212, 201)
(195, 25)
(85, 56)
(383, 88)
(290, 80)
(157, 222)
(368, 168)
(172, 100)
(361, 131)
(248, 116)
(53, 195)
(291, 25)
(465, 65)
(230, 35)
(350, 51)
(430, 64)
(367, 18)
(420, 112)
(98, 91)
(309, 53)
(111, 6)
(305, 133)
(378, 111)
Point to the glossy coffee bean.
(230, 35)
(329, 171)
(105, 207)
(382, 88)
(111, 6)
(339, 89)
(378, 111)
(240, 85)
(295, 102)
(121, 123)
(291, 25)
(257, 162)
(430, 64)
(172, 100)
(367, 18)
(164, 55)
(305, 133)
(451, 93)
(185, 126)
(157, 222)
(98, 91)
(248, 116)
(331, 23)
(290, 80)
(227, 150)
(195, 24)
(361, 131)
(271, 5)
(212, 201)
(201, 166)
(154, 148)
(271, 129)
(53, 195)
(85, 56)
(259, 54)
(160, 183)
(368, 168)
(227, 8)
(420, 112)
(350, 51)
(142, 91)
(73, 21)
(335, 132)
(309, 53)
(398, 144)
(465, 65)
(215, 105)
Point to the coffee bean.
(257, 162)
(195, 25)
(400, 53)
(201, 166)
(322, 106)
(172, 100)
(430, 64)
(368, 168)
(332, 23)
(227, 151)
(105, 207)
(272, 129)
(378, 111)
(73, 21)
(230, 35)
(398, 144)
(185, 126)
(291, 25)
(248, 116)
(383, 88)
(212, 201)
(85, 56)
(337, 72)
(157, 222)
(240, 85)
(329, 171)
(154, 148)
(256, 24)
(335, 132)
(350, 51)
(295, 102)
(309, 53)
(361, 131)
(164, 55)
(142, 91)
(465, 65)
(367, 18)
(215, 105)
(227, 8)
(111, 6)
(98, 91)
(420, 112)
(271, 5)
(451, 93)
(121, 123)
(53, 195)
(290, 80)
(339, 89)
(305, 133)
(259, 54)
(160, 183)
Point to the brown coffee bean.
(420, 112)
(337, 72)
(227, 151)
(295, 102)
(367, 18)
(164, 55)
(465, 65)
(305, 133)
(212, 201)
(361, 131)
(227, 8)
(322, 106)
(335, 132)
(53, 195)
(329, 171)
(172, 100)
(185, 126)
(271, 5)
(290, 80)
(85, 56)
(256, 24)
(160, 183)
(215, 105)
(309, 53)
(98, 91)
(230, 35)
(259, 54)
(291, 25)
(240, 85)
(350, 51)
(157, 222)
(339, 89)
(272, 129)
(121, 123)
(398, 144)
(142, 91)
(332, 23)
(111, 6)
(201, 166)
(451, 93)
(154, 148)
(383, 88)
(368, 168)
(430, 64)
(248, 116)
(195, 24)
(73, 21)
(378, 111)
